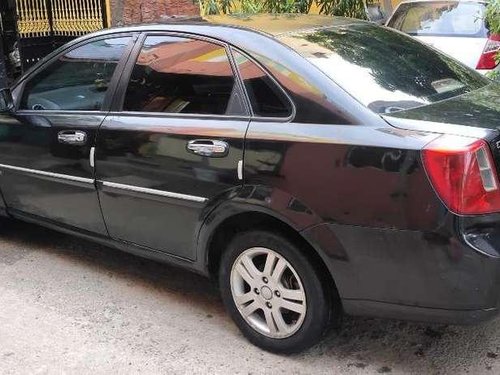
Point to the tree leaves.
(346, 8)
(493, 22)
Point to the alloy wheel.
(268, 292)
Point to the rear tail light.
(463, 174)
(487, 59)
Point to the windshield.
(385, 70)
(440, 18)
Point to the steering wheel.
(40, 104)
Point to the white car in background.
(455, 27)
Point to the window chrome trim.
(149, 191)
(48, 174)
(196, 116)
(61, 112)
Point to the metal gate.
(44, 25)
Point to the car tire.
(283, 287)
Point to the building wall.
(125, 12)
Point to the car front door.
(46, 145)
(173, 145)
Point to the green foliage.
(287, 6)
(347, 8)
(303, 6)
(215, 6)
(493, 22)
(252, 6)
(493, 16)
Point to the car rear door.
(172, 147)
(46, 145)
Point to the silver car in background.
(457, 28)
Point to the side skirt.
(131, 248)
(376, 309)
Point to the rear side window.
(440, 18)
(182, 75)
(267, 99)
(78, 80)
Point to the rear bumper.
(410, 275)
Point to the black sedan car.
(326, 166)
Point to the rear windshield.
(385, 70)
(440, 18)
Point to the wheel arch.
(218, 231)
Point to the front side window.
(78, 80)
(182, 75)
(267, 99)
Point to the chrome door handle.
(208, 147)
(72, 137)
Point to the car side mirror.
(6, 101)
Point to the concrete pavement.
(71, 306)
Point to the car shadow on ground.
(361, 343)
